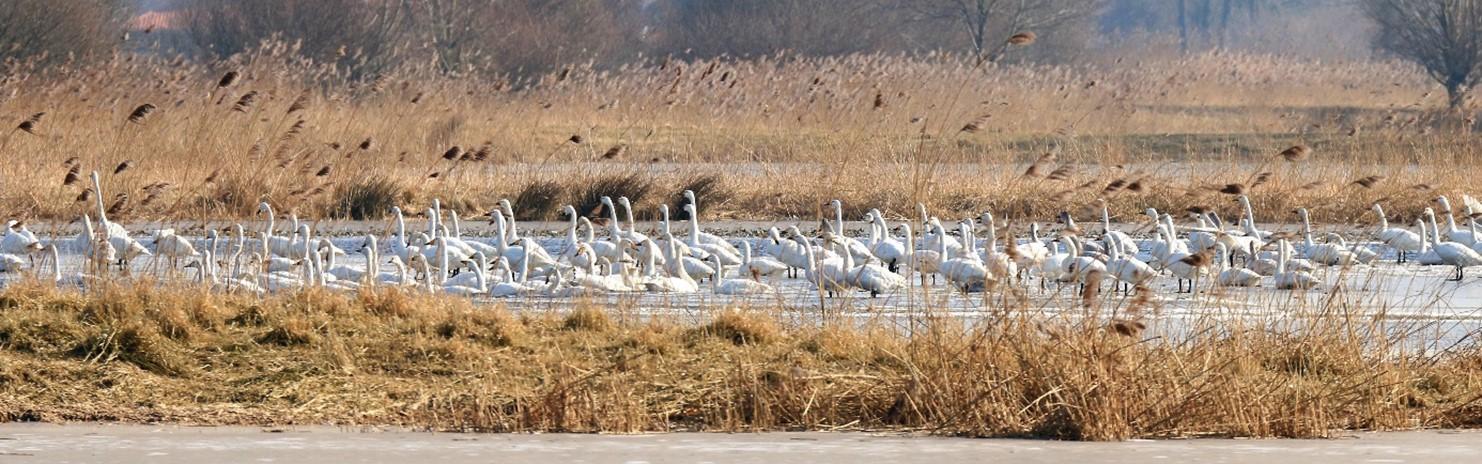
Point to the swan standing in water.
(827, 274)
(1454, 234)
(128, 248)
(889, 250)
(1124, 243)
(173, 247)
(726, 253)
(850, 245)
(275, 245)
(693, 208)
(1452, 253)
(965, 271)
(1402, 240)
(1126, 269)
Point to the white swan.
(723, 286)
(1033, 253)
(788, 252)
(1250, 215)
(1188, 267)
(480, 284)
(1233, 276)
(1327, 254)
(1454, 234)
(998, 263)
(1402, 240)
(869, 276)
(678, 280)
(633, 233)
(1452, 253)
(615, 226)
(173, 247)
(614, 249)
(397, 242)
(850, 245)
(509, 286)
(127, 247)
(1286, 279)
(930, 237)
(727, 253)
(1427, 256)
(965, 271)
(1124, 243)
(757, 267)
(827, 274)
(1126, 269)
(275, 245)
(693, 208)
(889, 250)
(19, 241)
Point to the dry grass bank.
(773, 138)
(394, 358)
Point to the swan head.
(506, 205)
(689, 195)
(1153, 213)
(569, 210)
(606, 200)
(625, 202)
(1445, 204)
(263, 207)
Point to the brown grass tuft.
(538, 201)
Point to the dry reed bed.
(142, 354)
(194, 141)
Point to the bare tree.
(764, 27)
(988, 24)
(362, 35)
(57, 29)
(1442, 36)
(526, 35)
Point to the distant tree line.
(515, 37)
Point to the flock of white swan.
(886, 260)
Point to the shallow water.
(126, 444)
